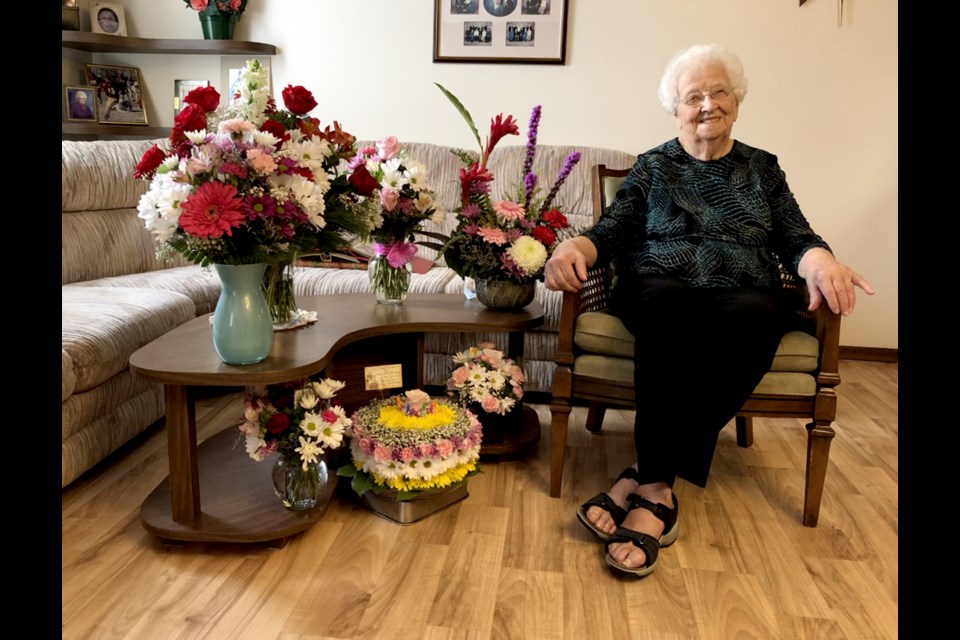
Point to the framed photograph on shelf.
(180, 90)
(119, 93)
(524, 31)
(108, 18)
(81, 104)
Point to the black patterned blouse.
(719, 223)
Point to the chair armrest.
(593, 296)
(828, 335)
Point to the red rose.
(275, 128)
(362, 182)
(555, 219)
(278, 423)
(298, 100)
(546, 235)
(207, 98)
(149, 163)
(191, 118)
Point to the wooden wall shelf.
(101, 43)
(124, 130)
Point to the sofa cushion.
(68, 379)
(314, 281)
(202, 285)
(103, 326)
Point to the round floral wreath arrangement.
(482, 378)
(407, 444)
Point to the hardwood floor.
(511, 562)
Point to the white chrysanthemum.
(528, 253)
(309, 195)
(417, 175)
(311, 424)
(495, 379)
(341, 414)
(506, 404)
(331, 434)
(159, 208)
(309, 452)
(265, 139)
(328, 388)
(306, 398)
(393, 174)
(311, 153)
(196, 137)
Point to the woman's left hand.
(830, 281)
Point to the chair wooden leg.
(595, 413)
(744, 431)
(559, 419)
(819, 436)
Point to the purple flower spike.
(529, 184)
(531, 140)
(568, 165)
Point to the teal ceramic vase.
(242, 327)
(217, 26)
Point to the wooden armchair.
(594, 361)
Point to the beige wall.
(823, 97)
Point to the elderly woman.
(697, 227)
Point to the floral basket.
(490, 385)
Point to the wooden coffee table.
(352, 332)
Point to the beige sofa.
(117, 296)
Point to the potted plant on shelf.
(217, 17)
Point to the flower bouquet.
(396, 189)
(489, 385)
(297, 421)
(251, 183)
(410, 444)
(217, 17)
(507, 239)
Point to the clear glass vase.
(278, 289)
(299, 488)
(390, 284)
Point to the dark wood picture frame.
(119, 92)
(78, 113)
(514, 31)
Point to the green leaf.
(347, 471)
(463, 112)
(361, 483)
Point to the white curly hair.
(697, 56)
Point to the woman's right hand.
(567, 267)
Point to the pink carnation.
(444, 447)
(490, 403)
(263, 163)
(427, 449)
(365, 445)
(382, 454)
(459, 376)
(407, 454)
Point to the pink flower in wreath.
(427, 449)
(365, 445)
(459, 376)
(491, 357)
(382, 454)
(407, 454)
(517, 389)
(444, 447)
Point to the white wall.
(823, 97)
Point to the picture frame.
(517, 31)
(180, 90)
(119, 93)
(80, 103)
(108, 18)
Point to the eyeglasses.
(696, 99)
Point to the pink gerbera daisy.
(493, 235)
(509, 210)
(212, 210)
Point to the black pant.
(699, 354)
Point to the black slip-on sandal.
(605, 502)
(645, 542)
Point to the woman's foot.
(642, 520)
(602, 520)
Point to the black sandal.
(645, 542)
(606, 503)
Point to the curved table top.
(186, 355)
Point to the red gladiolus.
(278, 423)
(212, 210)
(475, 173)
(298, 100)
(148, 164)
(555, 219)
(362, 182)
(207, 98)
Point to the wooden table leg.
(181, 423)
